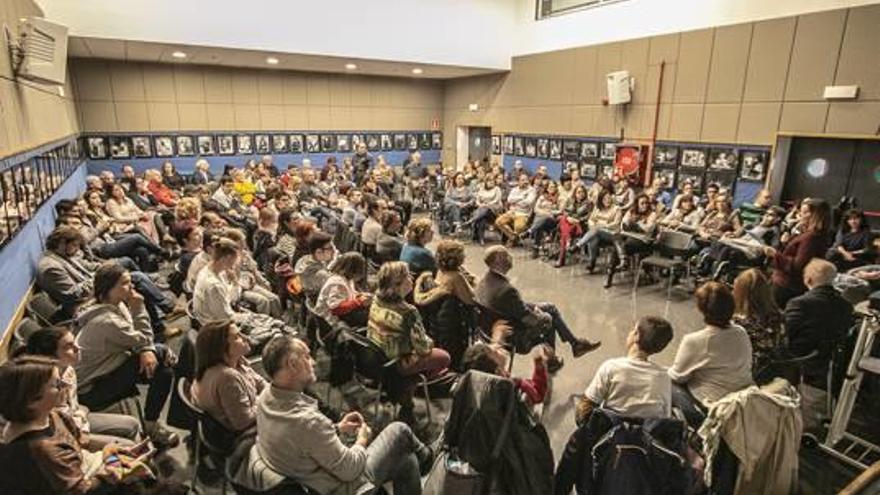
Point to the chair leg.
(197, 453)
(378, 401)
(223, 486)
(669, 284)
(636, 278)
(427, 398)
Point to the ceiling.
(143, 51)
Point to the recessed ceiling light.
(351, 66)
(178, 54)
(272, 61)
(417, 71)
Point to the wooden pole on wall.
(650, 166)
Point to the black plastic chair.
(218, 450)
(672, 249)
(43, 309)
(25, 328)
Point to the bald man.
(819, 318)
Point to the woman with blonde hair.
(419, 258)
(396, 327)
(757, 312)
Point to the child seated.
(633, 386)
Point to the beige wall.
(732, 84)
(121, 96)
(31, 114)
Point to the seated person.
(295, 439)
(819, 318)
(312, 268)
(118, 352)
(452, 278)
(372, 225)
(457, 202)
(417, 256)
(256, 290)
(488, 203)
(125, 212)
(202, 259)
(751, 213)
(159, 192)
(603, 224)
(340, 300)
(225, 386)
(65, 274)
(100, 429)
(853, 243)
(757, 313)
(712, 362)
(636, 235)
(493, 358)
(745, 249)
(520, 202)
(191, 239)
(546, 211)
(721, 220)
(633, 386)
(576, 213)
(43, 449)
(389, 243)
(534, 323)
(685, 216)
(396, 327)
(265, 238)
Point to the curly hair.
(450, 255)
(417, 229)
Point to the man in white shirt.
(633, 386)
(521, 201)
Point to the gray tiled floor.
(597, 314)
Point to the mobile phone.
(141, 448)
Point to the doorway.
(473, 143)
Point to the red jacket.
(162, 194)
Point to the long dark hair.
(211, 346)
(853, 213)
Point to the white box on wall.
(619, 87)
(841, 92)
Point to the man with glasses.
(312, 268)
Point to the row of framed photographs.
(551, 148)
(675, 178)
(168, 146)
(25, 186)
(749, 164)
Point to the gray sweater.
(295, 439)
(108, 335)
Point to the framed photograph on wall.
(725, 179)
(185, 146)
(425, 141)
(543, 150)
(507, 145)
(344, 143)
(531, 147)
(571, 149)
(245, 144)
(120, 147)
(205, 145)
(400, 142)
(313, 143)
(666, 155)
(412, 142)
(385, 142)
(164, 146)
(373, 142)
(437, 140)
(608, 151)
(141, 147)
(588, 170)
(296, 143)
(695, 178)
(357, 139)
(279, 143)
(693, 158)
(589, 150)
(555, 149)
(328, 143)
(723, 159)
(262, 144)
(97, 147)
(569, 165)
(667, 175)
(496, 145)
(519, 147)
(226, 144)
(754, 165)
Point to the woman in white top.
(488, 202)
(339, 299)
(712, 362)
(215, 291)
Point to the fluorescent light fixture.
(350, 66)
(417, 71)
(178, 54)
(272, 61)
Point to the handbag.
(453, 476)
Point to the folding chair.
(671, 252)
(43, 309)
(218, 449)
(25, 328)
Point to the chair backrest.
(674, 241)
(190, 312)
(370, 360)
(42, 308)
(25, 328)
(214, 436)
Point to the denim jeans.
(114, 386)
(480, 220)
(155, 302)
(541, 225)
(693, 411)
(559, 326)
(393, 456)
(137, 246)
